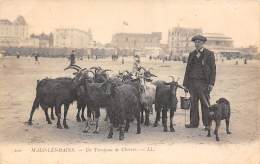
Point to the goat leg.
(47, 115)
(52, 113)
(87, 127)
(66, 108)
(97, 127)
(121, 132)
(171, 118)
(110, 134)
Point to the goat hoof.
(217, 139)
(121, 137)
(49, 122)
(78, 120)
(83, 119)
(229, 133)
(172, 130)
(138, 132)
(66, 126)
(146, 123)
(59, 126)
(52, 118)
(155, 125)
(95, 132)
(208, 135)
(30, 123)
(110, 135)
(165, 130)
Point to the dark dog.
(218, 112)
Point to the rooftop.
(138, 34)
(5, 22)
(213, 36)
(20, 20)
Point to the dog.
(217, 112)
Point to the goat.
(165, 98)
(54, 93)
(124, 104)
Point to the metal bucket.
(185, 103)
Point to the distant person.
(17, 55)
(245, 61)
(36, 58)
(72, 58)
(123, 61)
(199, 80)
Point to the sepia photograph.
(120, 81)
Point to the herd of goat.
(124, 97)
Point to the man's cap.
(199, 37)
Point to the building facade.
(220, 44)
(72, 38)
(13, 33)
(136, 40)
(179, 40)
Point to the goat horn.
(153, 75)
(74, 65)
(70, 67)
(143, 68)
(173, 79)
(126, 71)
(83, 69)
(94, 68)
(106, 70)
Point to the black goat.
(165, 98)
(54, 93)
(217, 112)
(124, 105)
(96, 97)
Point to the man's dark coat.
(208, 64)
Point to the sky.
(239, 19)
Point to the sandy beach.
(238, 83)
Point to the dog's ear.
(217, 101)
(222, 100)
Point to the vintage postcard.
(120, 81)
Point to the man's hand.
(210, 87)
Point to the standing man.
(199, 80)
(72, 58)
(36, 58)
